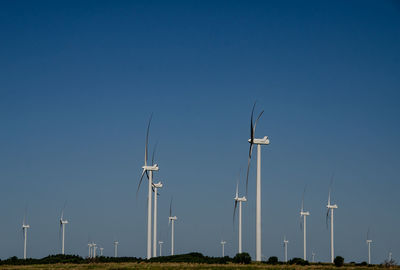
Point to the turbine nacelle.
(332, 206)
(63, 221)
(223, 242)
(369, 241)
(264, 140)
(158, 185)
(25, 226)
(150, 168)
(172, 218)
(302, 213)
(241, 199)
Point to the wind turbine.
(304, 214)
(369, 241)
(148, 170)
(160, 243)
(101, 252)
(25, 228)
(62, 227)
(258, 142)
(313, 256)
(223, 248)
(94, 250)
(171, 220)
(116, 249)
(90, 249)
(285, 244)
(239, 200)
(156, 186)
(330, 208)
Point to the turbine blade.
(327, 218)
(302, 200)
(368, 234)
(140, 182)
(251, 126)
(237, 189)
(147, 141)
(255, 123)
(248, 168)
(170, 208)
(234, 211)
(154, 153)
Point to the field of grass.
(170, 266)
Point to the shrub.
(298, 261)
(242, 258)
(339, 261)
(273, 260)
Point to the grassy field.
(170, 266)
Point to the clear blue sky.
(78, 81)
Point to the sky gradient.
(79, 80)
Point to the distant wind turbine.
(94, 250)
(304, 214)
(369, 241)
(160, 243)
(259, 142)
(171, 220)
(330, 208)
(101, 251)
(25, 228)
(223, 248)
(116, 249)
(90, 250)
(148, 170)
(239, 200)
(313, 256)
(156, 186)
(285, 244)
(62, 227)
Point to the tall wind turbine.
(330, 208)
(62, 227)
(90, 250)
(171, 220)
(101, 251)
(223, 248)
(285, 244)
(156, 186)
(369, 241)
(148, 170)
(116, 249)
(94, 246)
(313, 256)
(25, 228)
(239, 200)
(304, 215)
(258, 142)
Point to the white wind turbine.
(90, 250)
(62, 227)
(156, 186)
(148, 170)
(369, 241)
(223, 248)
(101, 251)
(330, 208)
(160, 243)
(285, 244)
(313, 256)
(25, 228)
(239, 200)
(171, 220)
(94, 247)
(116, 249)
(304, 215)
(258, 142)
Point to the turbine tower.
(25, 228)
(285, 244)
(304, 215)
(258, 142)
(90, 250)
(62, 227)
(156, 187)
(239, 200)
(223, 248)
(171, 220)
(160, 243)
(116, 249)
(101, 252)
(94, 250)
(313, 256)
(330, 208)
(369, 241)
(148, 170)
